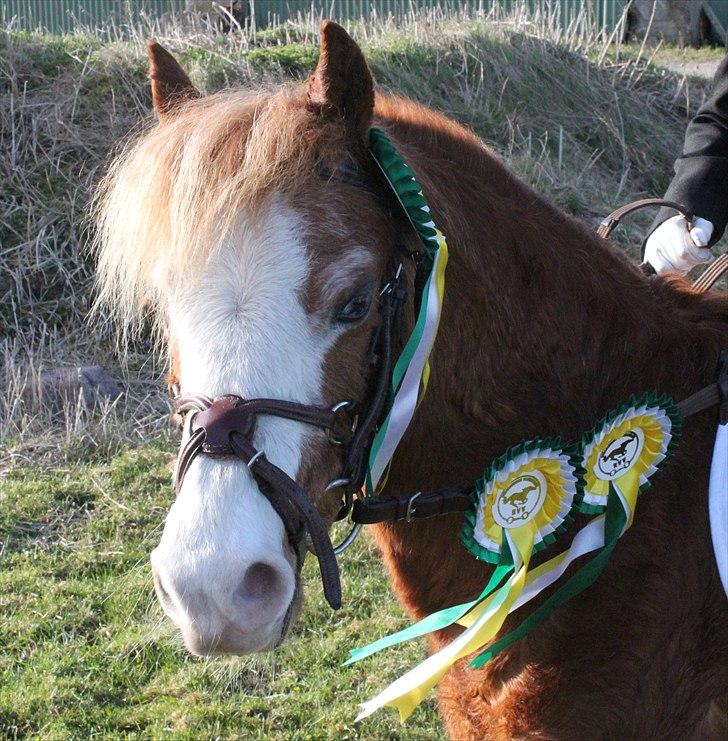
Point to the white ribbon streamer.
(432, 667)
(589, 538)
(405, 401)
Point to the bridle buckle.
(255, 458)
(411, 511)
(330, 435)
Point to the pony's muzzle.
(239, 615)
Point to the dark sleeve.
(701, 172)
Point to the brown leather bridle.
(225, 427)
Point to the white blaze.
(241, 329)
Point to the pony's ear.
(170, 84)
(341, 85)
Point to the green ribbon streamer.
(409, 192)
(614, 524)
(436, 621)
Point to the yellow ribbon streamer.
(441, 263)
(624, 455)
(408, 691)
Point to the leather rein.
(711, 275)
(225, 427)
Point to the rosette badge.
(518, 507)
(523, 501)
(625, 450)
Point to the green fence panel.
(62, 16)
(606, 13)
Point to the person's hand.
(673, 247)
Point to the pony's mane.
(176, 188)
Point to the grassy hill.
(84, 649)
(590, 127)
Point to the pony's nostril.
(261, 583)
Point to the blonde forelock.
(172, 192)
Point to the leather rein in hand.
(225, 427)
(711, 275)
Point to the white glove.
(672, 247)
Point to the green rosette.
(617, 459)
(543, 478)
(634, 439)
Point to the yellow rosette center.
(533, 492)
(624, 454)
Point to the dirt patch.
(704, 68)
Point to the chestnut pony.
(238, 215)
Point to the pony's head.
(255, 225)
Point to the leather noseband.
(225, 427)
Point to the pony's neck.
(544, 329)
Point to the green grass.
(86, 652)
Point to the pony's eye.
(357, 307)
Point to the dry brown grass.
(587, 124)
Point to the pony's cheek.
(321, 468)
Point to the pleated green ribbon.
(411, 371)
